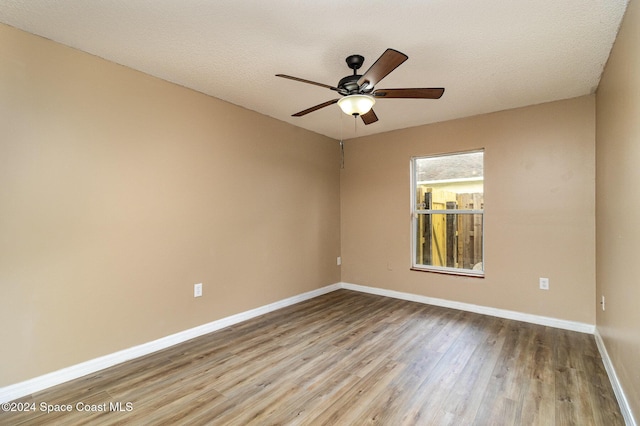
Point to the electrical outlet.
(197, 290)
(544, 283)
(602, 303)
(339, 261)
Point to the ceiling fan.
(358, 91)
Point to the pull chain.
(340, 118)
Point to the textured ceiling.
(490, 55)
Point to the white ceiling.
(490, 55)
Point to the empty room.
(230, 213)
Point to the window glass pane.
(446, 176)
(450, 240)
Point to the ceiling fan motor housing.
(349, 84)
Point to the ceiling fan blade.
(302, 80)
(424, 93)
(387, 62)
(369, 117)
(315, 108)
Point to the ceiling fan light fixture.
(356, 104)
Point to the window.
(448, 211)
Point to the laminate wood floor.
(347, 358)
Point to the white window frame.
(415, 212)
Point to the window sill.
(456, 272)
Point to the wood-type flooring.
(348, 358)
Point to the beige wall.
(618, 204)
(119, 191)
(539, 209)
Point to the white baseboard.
(18, 390)
(494, 312)
(45, 381)
(625, 408)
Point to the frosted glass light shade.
(356, 104)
